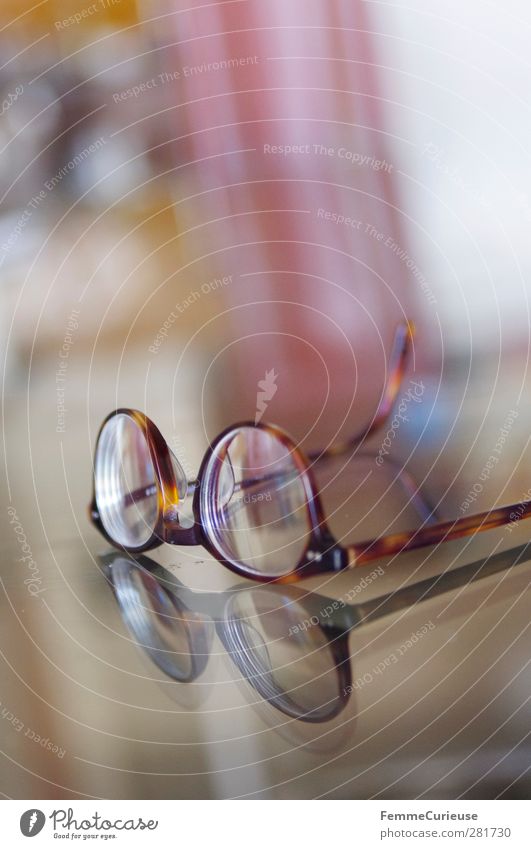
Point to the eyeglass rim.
(166, 527)
(321, 546)
(319, 537)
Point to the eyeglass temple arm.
(402, 342)
(404, 334)
(397, 363)
(422, 504)
(365, 552)
(401, 349)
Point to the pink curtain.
(278, 108)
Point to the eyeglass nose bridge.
(177, 533)
(178, 516)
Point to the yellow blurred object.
(94, 13)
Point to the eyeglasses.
(291, 646)
(255, 504)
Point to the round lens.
(284, 653)
(125, 483)
(153, 619)
(255, 504)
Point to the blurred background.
(194, 196)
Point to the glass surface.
(283, 653)
(255, 502)
(126, 489)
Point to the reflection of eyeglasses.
(290, 645)
(255, 504)
(302, 671)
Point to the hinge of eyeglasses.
(314, 555)
(334, 558)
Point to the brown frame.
(323, 553)
(167, 528)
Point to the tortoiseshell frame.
(167, 528)
(323, 553)
(321, 544)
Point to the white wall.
(457, 76)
